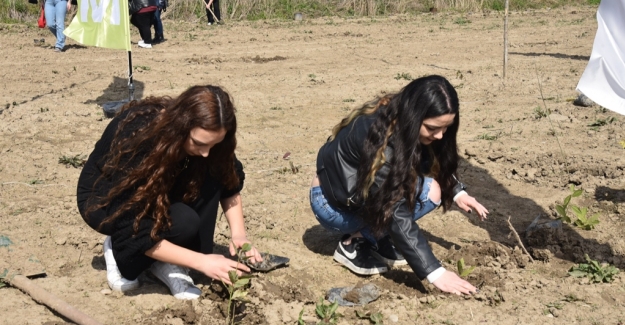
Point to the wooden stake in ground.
(516, 235)
(55, 303)
(505, 40)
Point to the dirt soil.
(292, 82)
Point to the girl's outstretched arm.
(452, 283)
(468, 203)
(213, 265)
(233, 208)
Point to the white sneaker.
(142, 44)
(210, 24)
(115, 279)
(177, 279)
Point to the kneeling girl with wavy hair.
(153, 185)
(387, 164)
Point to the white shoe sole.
(387, 261)
(115, 280)
(192, 292)
(358, 270)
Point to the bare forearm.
(168, 252)
(233, 208)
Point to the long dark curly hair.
(147, 161)
(398, 123)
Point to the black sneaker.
(357, 257)
(386, 252)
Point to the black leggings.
(192, 227)
(215, 8)
(143, 21)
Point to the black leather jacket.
(337, 164)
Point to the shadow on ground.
(117, 90)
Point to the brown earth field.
(522, 143)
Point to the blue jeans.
(346, 222)
(158, 23)
(55, 11)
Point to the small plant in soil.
(75, 161)
(327, 313)
(594, 271)
(463, 269)
(571, 298)
(540, 113)
(374, 318)
(601, 122)
(236, 290)
(404, 76)
(488, 137)
(582, 221)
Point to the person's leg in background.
(158, 27)
(55, 20)
(217, 11)
(143, 22)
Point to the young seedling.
(300, 320)
(236, 291)
(374, 318)
(75, 161)
(594, 271)
(464, 270)
(327, 313)
(584, 222)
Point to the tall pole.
(505, 39)
(131, 85)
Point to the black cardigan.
(127, 246)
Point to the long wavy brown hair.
(146, 160)
(398, 123)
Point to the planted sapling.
(327, 313)
(464, 270)
(236, 291)
(374, 318)
(582, 221)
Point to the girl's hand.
(468, 203)
(217, 267)
(253, 254)
(69, 5)
(452, 283)
(210, 2)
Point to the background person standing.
(142, 17)
(214, 6)
(55, 11)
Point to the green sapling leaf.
(241, 283)
(233, 276)
(566, 201)
(239, 295)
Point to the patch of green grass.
(461, 21)
(74, 161)
(404, 76)
(488, 137)
(142, 68)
